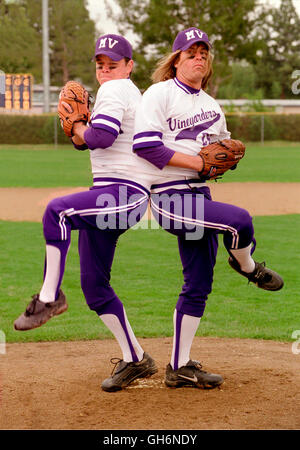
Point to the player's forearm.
(161, 156)
(186, 161)
(92, 137)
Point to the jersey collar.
(185, 87)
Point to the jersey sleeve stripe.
(147, 134)
(106, 125)
(147, 139)
(143, 143)
(106, 117)
(146, 144)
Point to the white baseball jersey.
(182, 118)
(114, 111)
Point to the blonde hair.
(165, 68)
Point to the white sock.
(244, 258)
(114, 325)
(49, 287)
(189, 326)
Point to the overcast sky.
(97, 12)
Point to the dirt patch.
(28, 204)
(260, 199)
(57, 386)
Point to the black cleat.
(125, 373)
(262, 277)
(192, 375)
(37, 313)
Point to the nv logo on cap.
(191, 34)
(111, 42)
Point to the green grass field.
(47, 166)
(147, 271)
(44, 166)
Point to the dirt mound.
(57, 386)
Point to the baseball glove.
(219, 157)
(73, 106)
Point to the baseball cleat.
(262, 277)
(192, 375)
(37, 313)
(125, 373)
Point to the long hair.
(165, 68)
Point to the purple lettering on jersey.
(192, 132)
(191, 121)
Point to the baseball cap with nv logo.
(188, 37)
(114, 46)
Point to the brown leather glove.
(73, 106)
(220, 157)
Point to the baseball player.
(116, 201)
(174, 121)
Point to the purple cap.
(188, 37)
(114, 46)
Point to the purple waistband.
(121, 181)
(175, 183)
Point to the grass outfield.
(45, 166)
(147, 276)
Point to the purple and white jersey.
(180, 118)
(114, 111)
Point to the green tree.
(156, 24)
(242, 83)
(280, 54)
(20, 46)
(71, 40)
(72, 36)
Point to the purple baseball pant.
(101, 215)
(196, 220)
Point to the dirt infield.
(57, 385)
(260, 199)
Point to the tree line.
(71, 40)
(256, 46)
